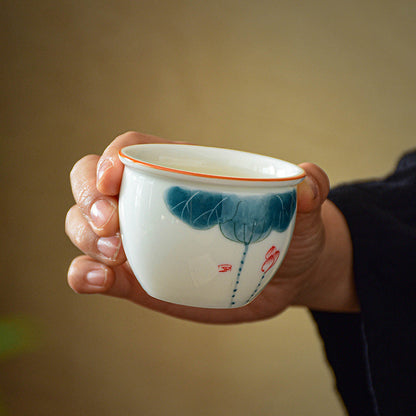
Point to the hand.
(317, 270)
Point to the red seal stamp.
(222, 268)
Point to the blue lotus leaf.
(242, 219)
(282, 206)
(251, 222)
(200, 209)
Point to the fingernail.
(103, 167)
(313, 186)
(101, 212)
(97, 277)
(109, 246)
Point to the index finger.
(110, 168)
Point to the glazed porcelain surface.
(205, 227)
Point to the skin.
(317, 272)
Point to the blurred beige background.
(322, 81)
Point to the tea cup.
(204, 226)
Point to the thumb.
(313, 191)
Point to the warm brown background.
(326, 81)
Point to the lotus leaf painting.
(242, 219)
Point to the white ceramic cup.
(203, 226)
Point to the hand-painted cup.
(202, 226)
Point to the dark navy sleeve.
(373, 353)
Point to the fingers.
(92, 224)
(313, 191)
(88, 276)
(100, 210)
(85, 275)
(110, 168)
(105, 249)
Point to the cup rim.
(122, 154)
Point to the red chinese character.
(271, 257)
(222, 268)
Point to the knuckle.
(81, 236)
(86, 193)
(73, 276)
(79, 165)
(69, 220)
(74, 283)
(83, 183)
(129, 134)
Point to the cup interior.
(211, 162)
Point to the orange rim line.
(206, 175)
